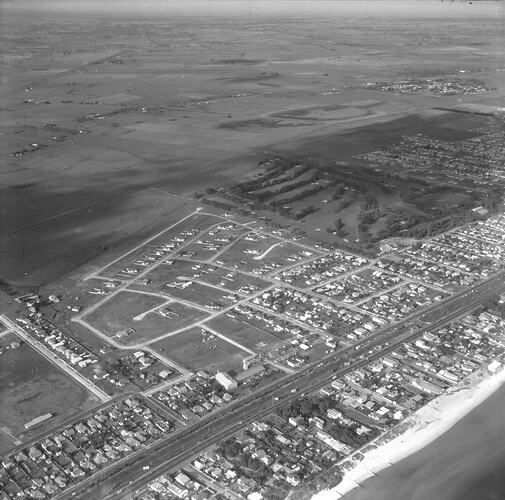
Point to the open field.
(181, 280)
(157, 279)
(246, 334)
(54, 247)
(140, 314)
(233, 280)
(201, 295)
(261, 254)
(116, 314)
(32, 386)
(195, 351)
(177, 271)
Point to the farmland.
(112, 141)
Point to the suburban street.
(49, 355)
(191, 440)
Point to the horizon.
(345, 8)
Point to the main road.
(191, 440)
(50, 356)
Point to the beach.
(454, 450)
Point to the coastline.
(426, 425)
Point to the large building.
(227, 381)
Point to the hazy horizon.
(383, 8)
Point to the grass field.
(135, 310)
(178, 274)
(245, 334)
(31, 386)
(81, 334)
(180, 270)
(191, 350)
(116, 314)
(267, 253)
(204, 296)
(53, 248)
(233, 280)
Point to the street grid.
(349, 352)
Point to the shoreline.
(426, 425)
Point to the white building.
(494, 366)
(227, 381)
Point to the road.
(42, 349)
(267, 251)
(188, 442)
(140, 245)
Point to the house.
(182, 478)
(254, 371)
(317, 422)
(333, 413)
(494, 366)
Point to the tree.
(231, 448)
(325, 404)
(306, 407)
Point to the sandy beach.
(428, 424)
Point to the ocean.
(465, 463)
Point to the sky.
(393, 8)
